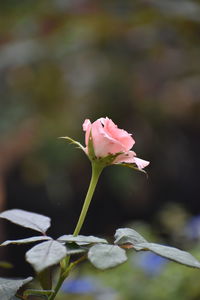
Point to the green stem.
(58, 286)
(96, 171)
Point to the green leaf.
(27, 219)
(81, 239)
(106, 256)
(9, 287)
(128, 235)
(27, 240)
(45, 255)
(171, 253)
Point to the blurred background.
(135, 61)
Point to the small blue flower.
(192, 228)
(90, 286)
(150, 263)
(79, 286)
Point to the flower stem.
(96, 171)
(58, 286)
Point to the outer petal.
(104, 143)
(122, 136)
(86, 124)
(130, 158)
(127, 157)
(87, 127)
(141, 163)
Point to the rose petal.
(86, 124)
(120, 135)
(127, 157)
(103, 143)
(141, 163)
(87, 127)
(107, 137)
(130, 158)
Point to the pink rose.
(109, 139)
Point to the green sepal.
(73, 142)
(132, 166)
(91, 152)
(109, 159)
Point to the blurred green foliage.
(135, 61)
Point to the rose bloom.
(109, 139)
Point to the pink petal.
(87, 127)
(130, 158)
(126, 157)
(141, 164)
(86, 124)
(122, 136)
(103, 143)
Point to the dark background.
(136, 62)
